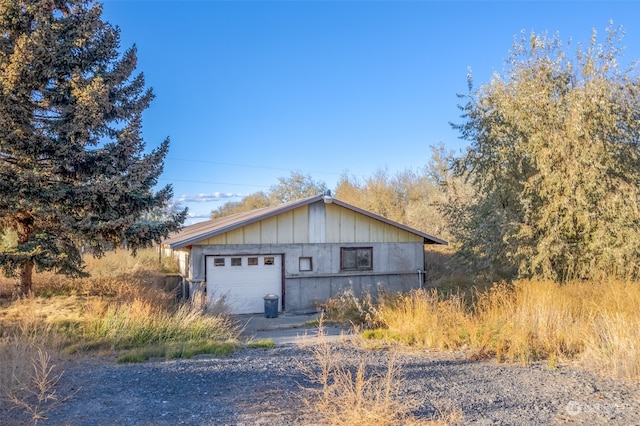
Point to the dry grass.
(28, 377)
(352, 394)
(531, 320)
(38, 395)
(347, 308)
(613, 338)
(597, 323)
(423, 318)
(117, 274)
(139, 323)
(122, 305)
(122, 262)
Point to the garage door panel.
(244, 285)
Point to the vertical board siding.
(252, 233)
(301, 226)
(269, 231)
(285, 228)
(377, 230)
(236, 236)
(407, 236)
(317, 218)
(332, 214)
(218, 239)
(315, 224)
(362, 229)
(390, 235)
(347, 226)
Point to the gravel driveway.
(263, 387)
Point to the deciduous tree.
(414, 198)
(253, 201)
(554, 158)
(73, 168)
(295, 187)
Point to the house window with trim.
(305, 264)
(356, 258)
(236, 261)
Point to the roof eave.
(240, 224)
(428, 239)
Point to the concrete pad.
(298, 336)
(288, 329)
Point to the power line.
(248, 166)
(212, 183)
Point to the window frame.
(357, 267)
(305, 258)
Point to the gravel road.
(263, 387)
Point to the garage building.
(304, 251)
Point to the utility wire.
(248, 166)
(212, 183)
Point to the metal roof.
(201, 231)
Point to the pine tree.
(74, 174)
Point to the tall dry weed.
(122, 262)
(117, 275)
(38, 395)
(425, 318)
(347, 308)
(122, 303)
(533, 320)
(126, 325)
(28, 377)
(612, 343)
(353, 393)
(527, 321)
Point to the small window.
(305, 264)
(268, 260)
(356, 258)
(218, 261)
(236, 261)
(252, 261)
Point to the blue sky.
(249, 91)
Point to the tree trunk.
(24, 228)
(24, 281)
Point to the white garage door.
(244, 281)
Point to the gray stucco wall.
(395, 267)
